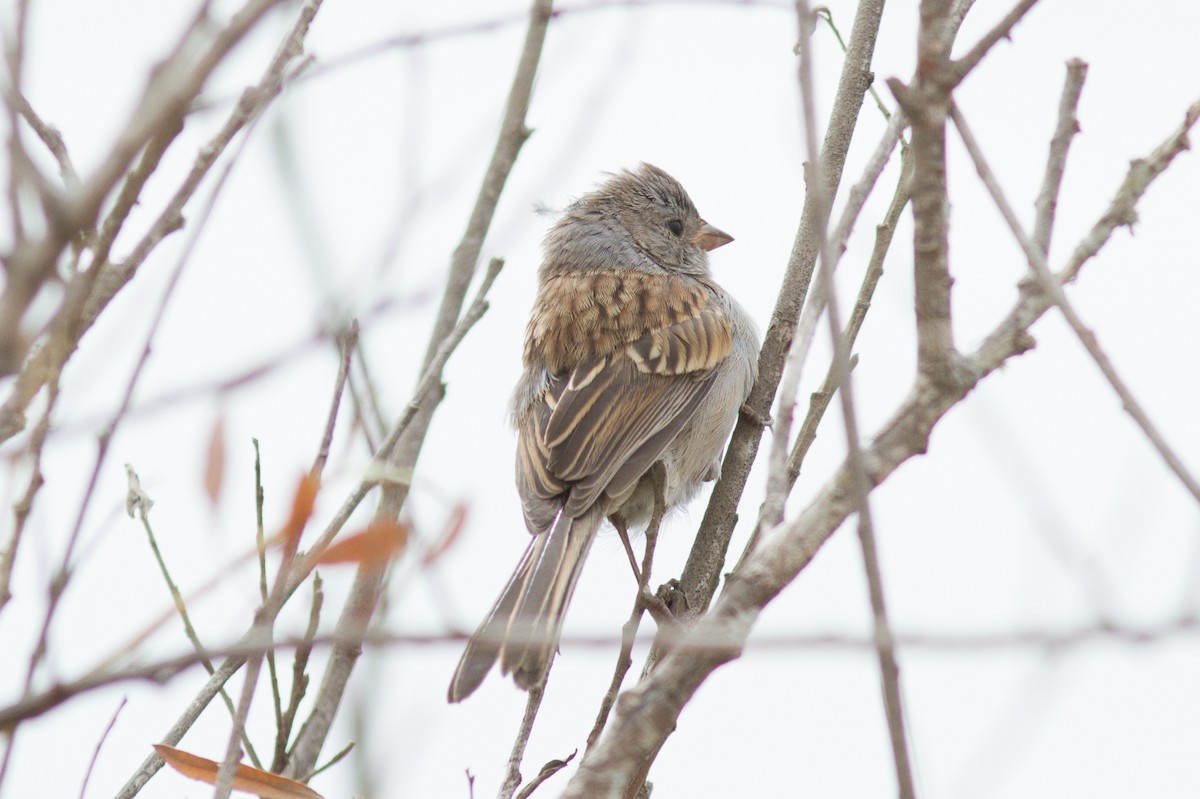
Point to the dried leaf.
(375, 546)
(302, 507)
(450, 533)
(245, 778)
(214, 462)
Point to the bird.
(634, 356)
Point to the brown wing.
(623, 389)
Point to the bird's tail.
(523, 627)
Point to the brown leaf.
(245, 778)
(375, 546)
(302, 507)
(214, 462)
(454, 526)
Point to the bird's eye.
(676, 227)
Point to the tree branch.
(1053, 289)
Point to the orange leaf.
(454, 526)
(245, 778)
(374, 546)
(302, 508)
(214, 462)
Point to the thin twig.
(299, 677)
(189, 629)
(512, 773)
(112, 722)
(820, 400)
(391, 468)
(548, 771)
(337, 758)
(925, 100)
(347, 342)
(823, 12)
(706, 561)
(59, 583)
(91, 291)
(23, 507)
(159, 671)
(233, 752)
(778, 482)
(50, 136)
(1001, 30)
(379, 472)
(889, 670)
(402, 41)
(173, 84)
(292, 44)
(1056, 162)
(14, 56)
(1049, 283)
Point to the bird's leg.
(651, 602)
(618, 521)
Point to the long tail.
(523, 627)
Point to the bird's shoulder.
(583, 317)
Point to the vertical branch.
(884, 233)
(706, 561)
(859, 481)
(1056, 163)
(512, 773)
(926, 102)
(14, 53)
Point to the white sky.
(1039, 505)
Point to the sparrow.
(633, 356)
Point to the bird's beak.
(709, 237)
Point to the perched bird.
(633, 356)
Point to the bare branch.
(884, 233)
(780, 481)
(159, 671)
(90, 292)
(925, 101)
(50, 136)
(512, 774)
(1051, 286)
(1056, 162)
(1122, 211)
(889, 670)
(112, 722)
(22, 508)
(705, 563)
(177, 599)
(347, 341)
(174, 83)
(963, 66)
(59, 583)
(548, 771)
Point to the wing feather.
(616, 395)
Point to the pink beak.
(709, 237)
